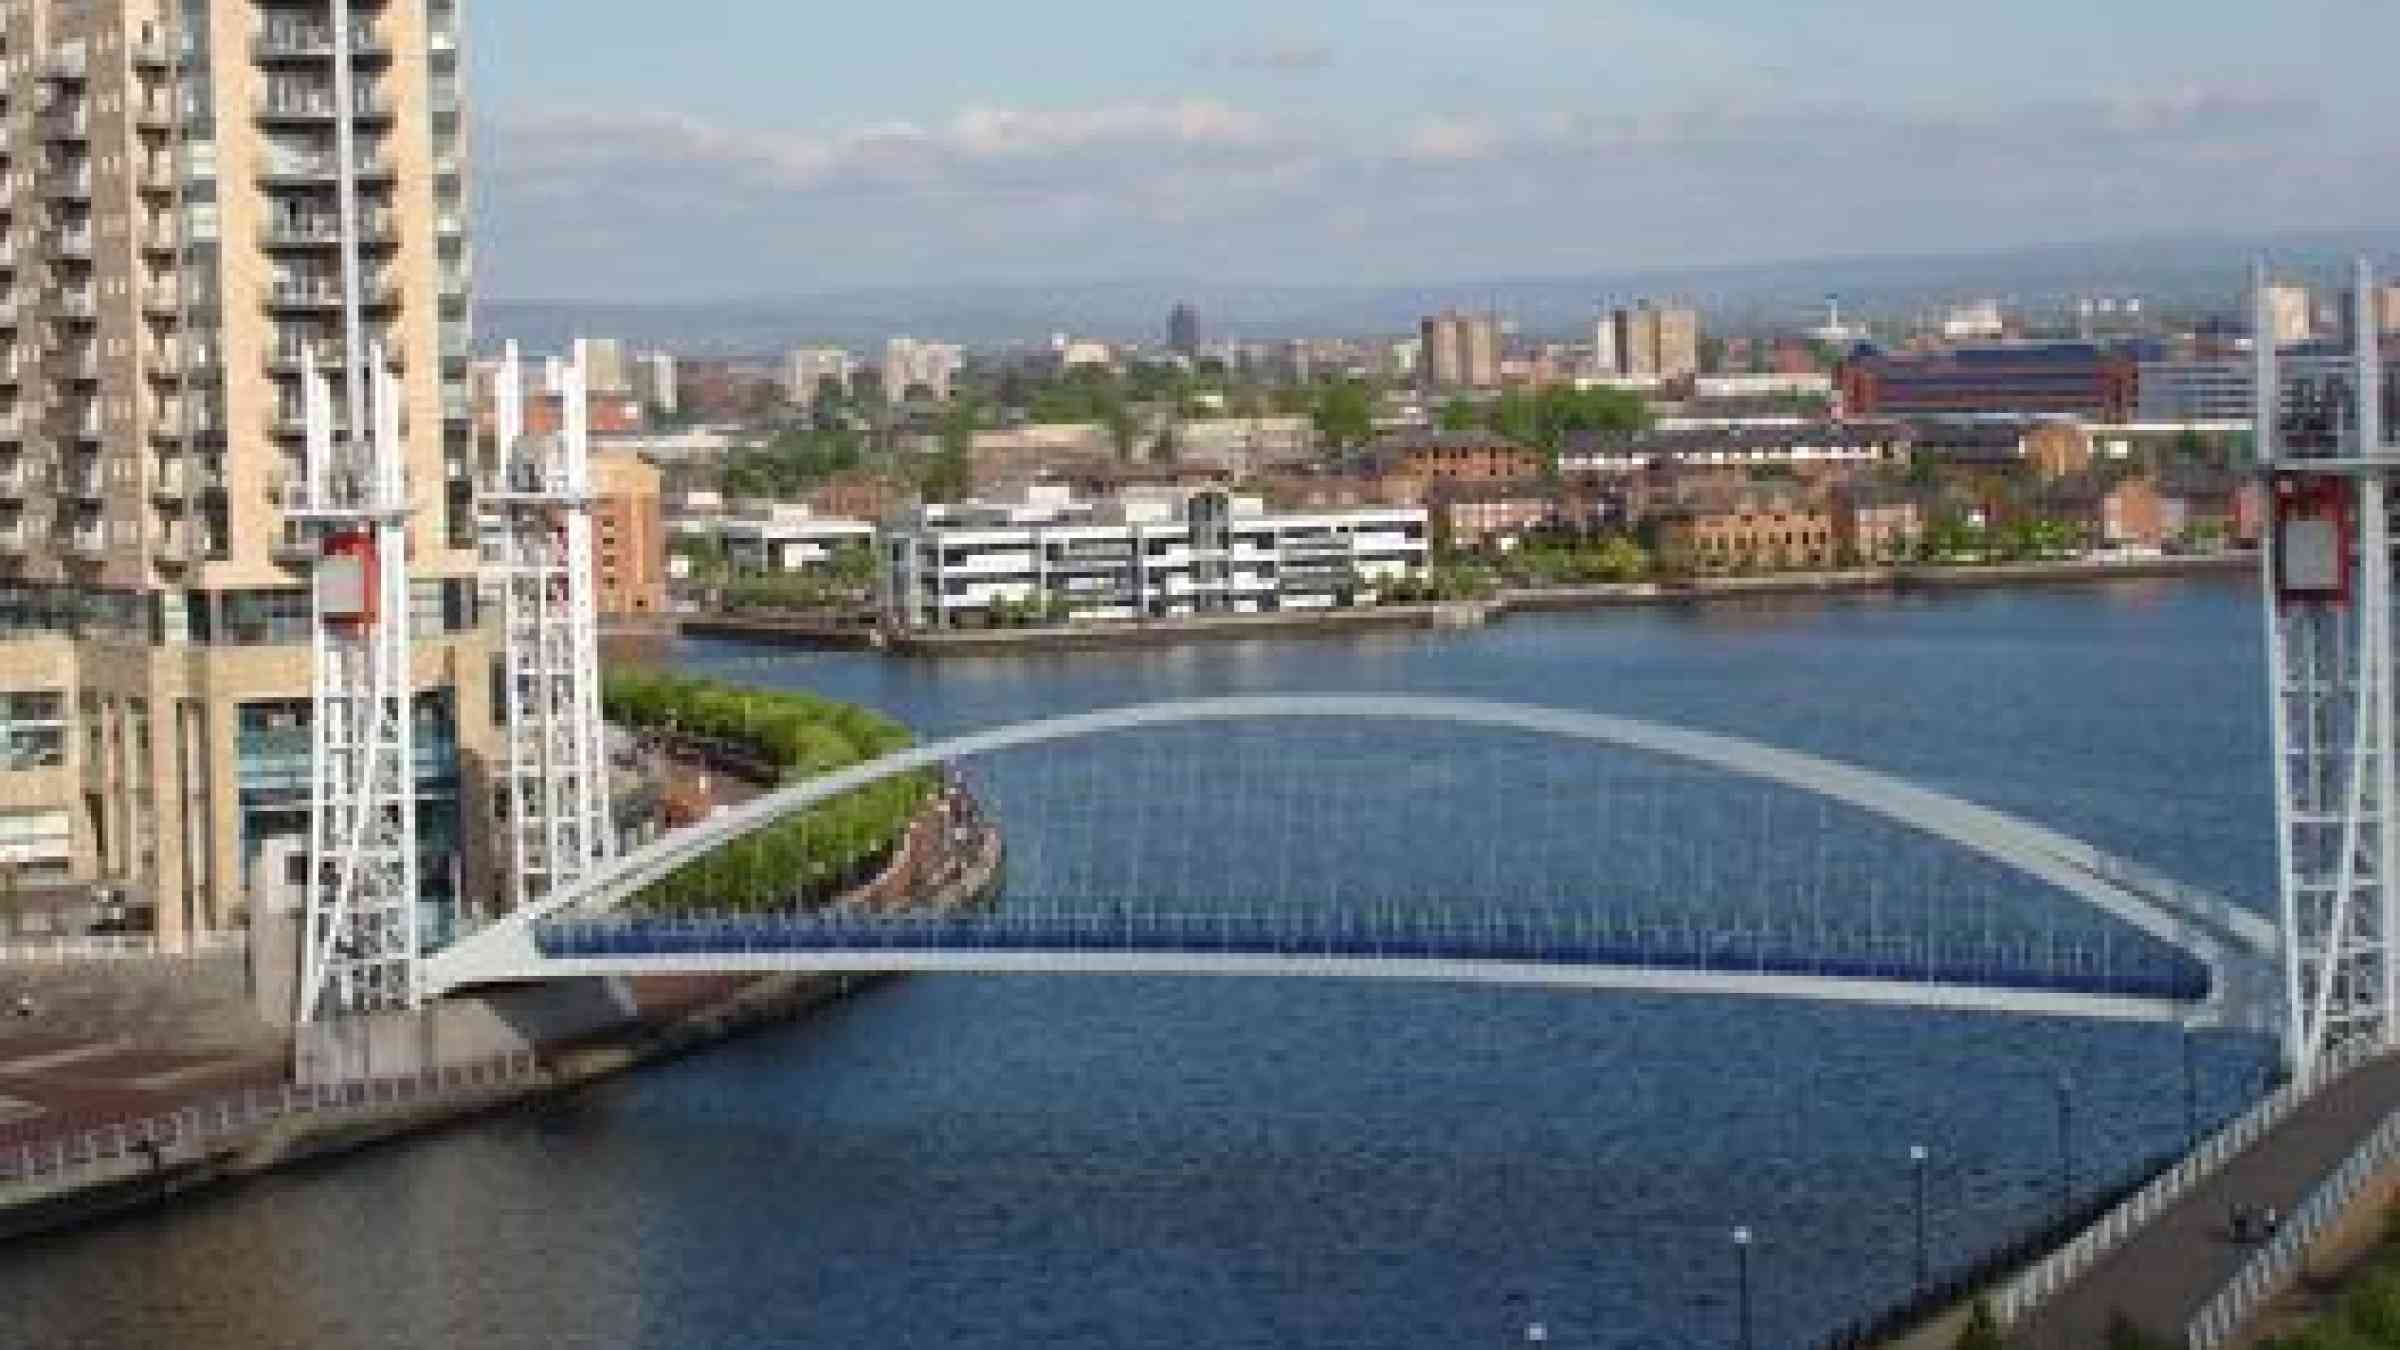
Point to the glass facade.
(273, 744)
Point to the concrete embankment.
(488, 1054)
(1460, 614)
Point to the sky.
(717, 149)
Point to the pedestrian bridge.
(1395, 837)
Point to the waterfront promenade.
(2162, 1275)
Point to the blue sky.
(766, 147)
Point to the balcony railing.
(75, 244)
(88, 540)
(294, 42)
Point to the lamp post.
(1741, 1265)
(1917, 1155)
(2066, 1148)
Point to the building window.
(33, 730)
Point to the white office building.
(762, 536)
(1147, 553)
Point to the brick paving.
(2165, 1273)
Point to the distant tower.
(1183, 330)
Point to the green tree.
(1343, 414)
(1459, 415)
(1982, 1330)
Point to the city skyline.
(690, 164)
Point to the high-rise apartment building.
(910, 364)
(806, 369)
(2291, 315)
(1460, 351)
(1183, 331)
(654, 381)
(1648, 342)
(172, 237)
(604, 367)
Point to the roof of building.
(1706, 440)
(1426, 438)
(1451, 491)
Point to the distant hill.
(2183, 271)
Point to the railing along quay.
(2273, 1268)
(155, 1137)
(121, 946)
(2064, 1266)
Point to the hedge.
(818, 853)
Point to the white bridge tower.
(557, 785)
(359, 944)
(2327, 573)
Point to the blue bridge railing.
(1499, 936)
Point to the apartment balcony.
(321, 172)
(326, 233)
(17, 536)
(156, 178)
(294, 358)
(12, 427)
(286, 109)
(8, 313)
(153, 53)
(83, 480)
(155, 115)
(76, 304)
(324, 296)
(162, 301)
(88, 541)
(159, 237)
(73, 244)
(172, 423)
(16, 479)
(80, 366)
(78, 424)
(295, 43)
(177, 545)
(164, 362)
(295, 546)
(67, 65)
(73, 186)
(65, 125)
(450, 224)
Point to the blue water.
(1118, 1162)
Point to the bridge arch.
(2233, 943)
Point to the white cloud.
(1209, 184)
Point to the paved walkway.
(2163, 1275)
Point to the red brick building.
(2074, 378)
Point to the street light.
(1917, 1154)
(2066, 1148)
(1741, 1258)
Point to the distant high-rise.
(911, 364)
(1647, 342)
(654, 381)
(1460, 351)
(604, 369)
(2289, 314)
(806, 369)
(1183, 330)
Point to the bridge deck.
(2164, 1273)
(1518, 939)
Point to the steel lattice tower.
(360, 945)
(557, 797)
(2327, 583)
